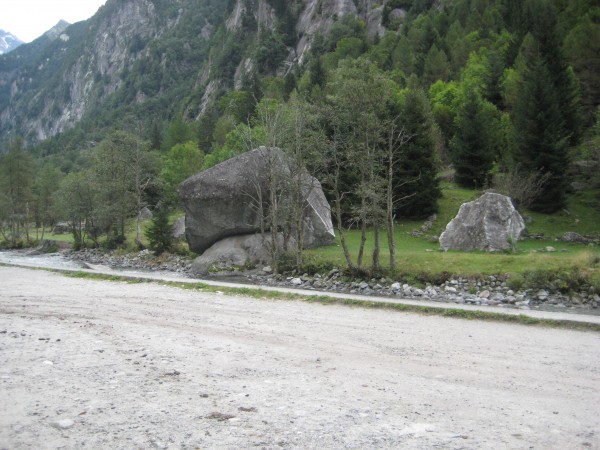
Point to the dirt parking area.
(95, 364)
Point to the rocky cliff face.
(148, 54)
(319, 16)
(51, 90)
(104, 58)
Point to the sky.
(29, 19)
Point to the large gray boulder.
(223, 201)
(490, 223)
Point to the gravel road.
(94, 364)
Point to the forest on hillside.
(493, 93)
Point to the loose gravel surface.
(96, 364)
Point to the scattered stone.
(550, 249)
(542, 294)
(221, 417)
(267, 269)
(250, 409)
(332, 272)
(484, 294)
(296, 281)
(62, 424)
(395, 287)
(571, 236)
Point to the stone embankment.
(490, 291)
(143, 260)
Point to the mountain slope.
(8, 42)
(154, 59)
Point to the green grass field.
(421, 256)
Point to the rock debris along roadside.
(148, 366)
(490, 291)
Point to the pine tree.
(473, 147)
(415, 177)
(543, 23)
(540, 137)
(159, 232)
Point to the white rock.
(62, 424)
(296, 281)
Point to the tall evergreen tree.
(473, 147)
(415, 177)
(159, 233)
(540, 137)
(542, 22)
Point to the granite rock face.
(491, 223)
(224, 200)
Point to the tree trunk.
(363, 239)
(138, 234)
(376, 266)
(390, 207)
(340, 229)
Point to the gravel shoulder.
(93, 364)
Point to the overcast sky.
(29, 19)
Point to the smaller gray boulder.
(491, 223)
(178, 230)
(145, 214)
(234, 252)
(62, 228)
(571, 236)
